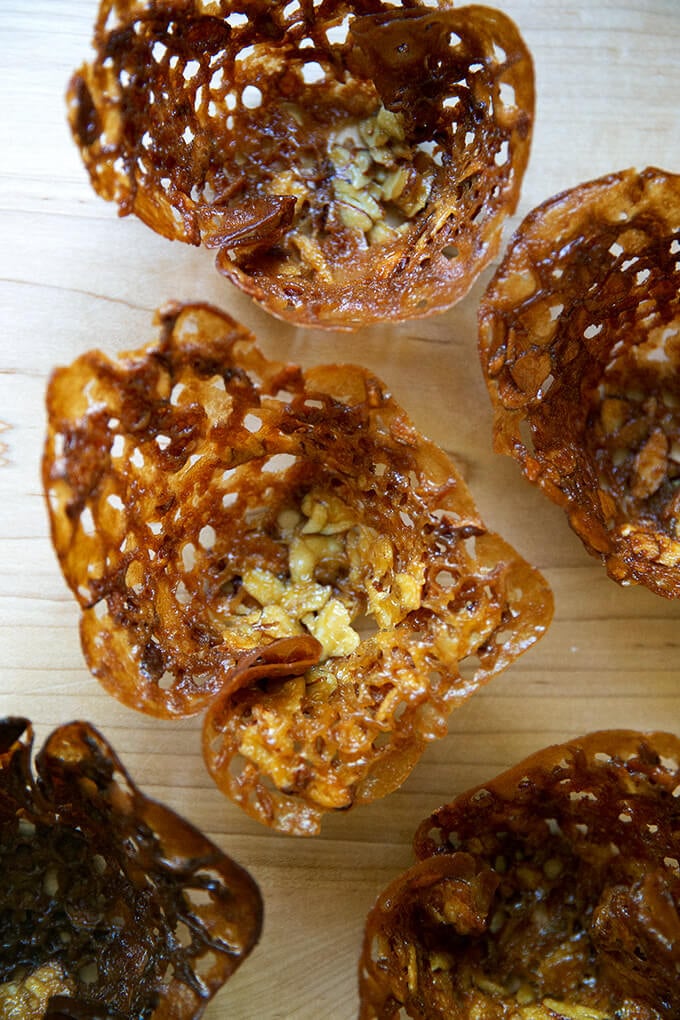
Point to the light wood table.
(74, 276)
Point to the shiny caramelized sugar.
(550, 893)
(580, 342)
(350, 161)
(282, 548)
(113, 907)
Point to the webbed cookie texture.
(112, 906)
(283, 549)
(580, 343)
(351, 162)
(550, 893)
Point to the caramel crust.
(351, 162)
(283, 549)
(580, 344)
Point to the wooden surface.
(74, 276)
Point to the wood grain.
(74, 276)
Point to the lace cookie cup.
(112, 905)
(550, 893)
(283, 549)
(580, 344)
(350, 162)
